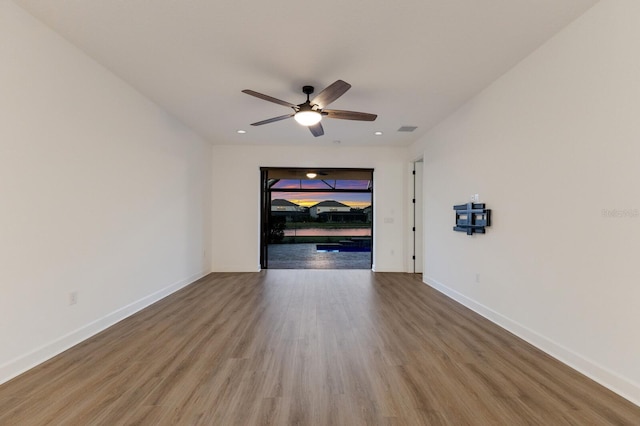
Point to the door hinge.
(413, 257)
(414, 229)
(414, 172)
(413, 201)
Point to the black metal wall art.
(472, 218)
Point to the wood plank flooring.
(307, 347)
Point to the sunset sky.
(308, 199)
(305, 199)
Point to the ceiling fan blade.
(349, 115)
(273, 120)
(268, 98)
(317, 130)
(331, 93)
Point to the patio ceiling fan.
(310, 112)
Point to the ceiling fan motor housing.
(307, 90)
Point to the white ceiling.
(412, 62)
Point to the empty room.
(478, 156)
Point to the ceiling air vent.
(407, 128)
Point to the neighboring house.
(326, 207)
(284, 206)
(290, 211)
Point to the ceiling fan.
(310, 113)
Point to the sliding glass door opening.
(316, 218)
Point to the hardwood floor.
(308, 347)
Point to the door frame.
(265, 200)
(418, 216)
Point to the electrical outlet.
(73, 298)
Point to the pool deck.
(305, 256)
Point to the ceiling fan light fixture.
(308, 118)
(309, 113)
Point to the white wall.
(101, 193)
(236, 171)
(550, 146)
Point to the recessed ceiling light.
(242, 132)
(378, 133)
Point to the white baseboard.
(25, 362)
(607, 378)
(236, 268)
(387, 269)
